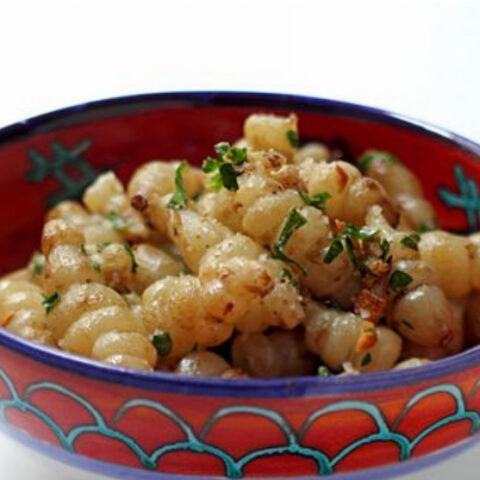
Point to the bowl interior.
(55, 156)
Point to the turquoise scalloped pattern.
(234, 467)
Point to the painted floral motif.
(467, 198)
(234, 467)
(63, 158)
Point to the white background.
(418, 58)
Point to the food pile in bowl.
(273, 259)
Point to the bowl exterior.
(178, 427)
(163, 431)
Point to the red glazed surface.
(182, 426)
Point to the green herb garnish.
(364, 233)
(335, 306)
(184, 271)
(288, 276)
(197, 196)
(294, 221)
(83, 249)
(425, 227)
(225, 151)
(399, 280)
(50, 301)
(129, 250)
(364, 161)
(162, 343)
(210, 165)
(335, 249)
(221, 148)
(237, 155)
(225, 177)
(95, 266)
(366, 359)
(408, 324)
(216, 182)
(179, 199)
(225, 166)
(323, 371)
(102, 246)
(119, 224)
(38, 264)
(351, 252)
(411, 241)
(229, 176)
(385, 247)
(292, 137)
(345, 239)
(318, 200)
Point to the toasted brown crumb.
(342, 178)
(368, 337)
(228, 308)
(369, 306)
(139, 202)
(7, 319)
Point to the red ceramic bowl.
(136, 425)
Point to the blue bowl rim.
(246, 388)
